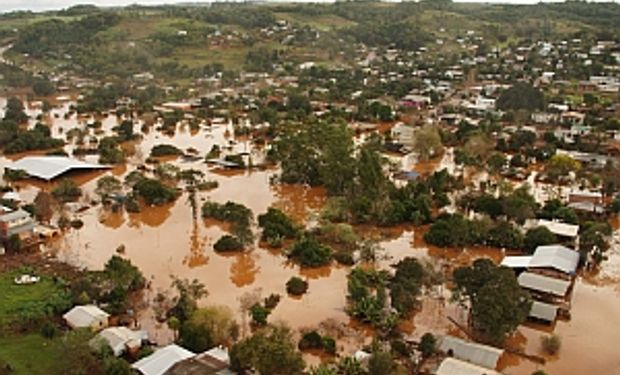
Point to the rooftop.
(84, 316)
(50, 167)
(543, 311)
(555, 256)
(478, 354)
(452, 366)
(544, 284)
(162, 359)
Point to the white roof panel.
(160, 361)
(561, 229)
(49, 167)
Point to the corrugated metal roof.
(14, 215)
(478, 354)
(544, 284)
(561, 229)
(556, 256)
(516, 261)
(160, 361)
(84, 316)
(544, 311)
(50, 167)
(452, 366)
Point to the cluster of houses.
(122, 341)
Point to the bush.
(259, 314)
(344, 258)
(428, 345)
(154, 192)
(49, 330)
(310, 340)
(67, 191)
(228, 243)
(296, 286)
(276, 225)
(165, 150)
(309, 252)
(238, 215)
(551, 344)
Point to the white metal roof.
(478, 354)
(118, 337)
(555, 256)
(49, 167)
(542, 283)
(84, 316)
(544, 311)
(561, 229)
(517, 261)
(160, 361)
(452, 366)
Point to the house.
(212, 362)
(50, 167)
(403, 134)
(86, 316)
(556, 257)
(162, 360)
(580, 196)
(415, 101)
(17, 222)
(564, 230)
(120, 339)
(453, 366)
(543, 311)
(544, 285)
(476, 354)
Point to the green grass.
(13, 296)
(31, 354)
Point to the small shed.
(543, 311)
(86, 316)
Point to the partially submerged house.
(120, 340)
(474, 353)
(212, 362)
(18, 222)
(545, 287)
(86, 316)
(162, 360)
(453, 366)
(50, 167)
(551, 257)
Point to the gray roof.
(478, 354)
(84, 316)
(543, 311)
(517, 261)
(14, 215)
(452, 366)
(49, 167)
(555, 256)
(544, 284)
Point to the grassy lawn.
(13, 296)
(31, 354)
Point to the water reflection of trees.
(243, 270)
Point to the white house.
(162, 359)
(86, 316)
(120, 339)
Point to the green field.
(31, 354)
(14, 297)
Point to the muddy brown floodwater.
(167, 241)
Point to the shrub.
(296, 286)
(154, 192)
(165, 150)
(228, 243)
(276, 225)
(310, 340)
(551, 344)
(344, 258)
(309, 252)
(427, 345)
(272, 301)
(259, 314)
(67, 191)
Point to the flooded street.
(166, 242)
